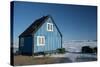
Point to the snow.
(74, 57)
(75, 46)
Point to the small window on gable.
(49, 26)
(40, 40)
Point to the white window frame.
(40, 43)
(51, 26)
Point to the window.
(22, 41)
(49, 26)
(40, 40)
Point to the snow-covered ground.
(75, 46)
(74, 57)
(77, 57)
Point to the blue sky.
(75, 22)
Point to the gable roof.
(36, 25)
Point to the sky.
(76, 22)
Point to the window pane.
(22, 41)
(48, 26)
(52, 27)
(40, 40)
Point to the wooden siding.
(27, 47)
(52, 39)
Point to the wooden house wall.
(52, 39)
(27, 47)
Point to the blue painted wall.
(52, 39)
(27, 45)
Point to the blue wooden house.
(41, 36)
